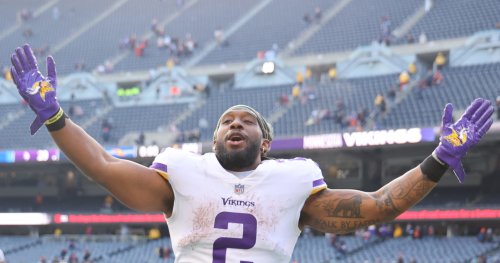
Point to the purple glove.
(457, 138)
(38, 91)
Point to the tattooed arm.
(343, 211)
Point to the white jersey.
(220, 218)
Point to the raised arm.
(343, 211)
(136, 186)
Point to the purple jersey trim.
(159, 166)
(318, 182)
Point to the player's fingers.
(14, 75)
(472, 108)
(51, 70)
(17, 65)
(484, 118)
(30, 57)
(22, 59)
(484, 129)
(448, 114)
(485, 105)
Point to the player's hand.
(457, 138)
(38, 91)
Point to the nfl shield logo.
(239, 189)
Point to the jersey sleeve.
(160, 163)
(168, 162)
(315, 176)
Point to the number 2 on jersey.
(221, 244)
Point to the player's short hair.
(265, 127)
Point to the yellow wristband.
(56, 117)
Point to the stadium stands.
(457, 18)
(356, 94)
(90, 32)
(461, 85)
(355, 26)
(265, 99)
(263, 30)
(437, 249)
(199, 21)
(307, 250)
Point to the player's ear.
(213, 146)
(265, 146)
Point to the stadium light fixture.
(268, 67)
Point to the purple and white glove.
(38, 91)
(457, 138)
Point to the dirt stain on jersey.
(203, 224)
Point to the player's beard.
(237, 160)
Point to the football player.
(235, 204)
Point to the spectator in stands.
(380, 103)
(73, 258)
(489, 235)
(332, 73)
(385, 30)
(106, 130)
(404, 80)
(307, 19)
(481, 259)
(417, 233)
(124, 232)
(24, 15)
(2, 257)
(168, 251)
(391, 93)
(431, 232)
(412, 68)
(409, 229)
(296, 92)
(80, 65)
(86, 256)
(27, 33)
(140, 140)
(154, 233)
(132, 41)
(6, 74)
(410, 38)
(398, 231)
(422, 38)
(439, 61)
(299, 77)
(161, 252)
(283, 100)
(88, 230)
(219, 37)
(63, 254)
(427, 80)
(318, 14)
(42, 260)
(108, 203)
(362, 115)
(437, 78)
(38, 202)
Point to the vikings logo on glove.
(457, 139)
(40, 86)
